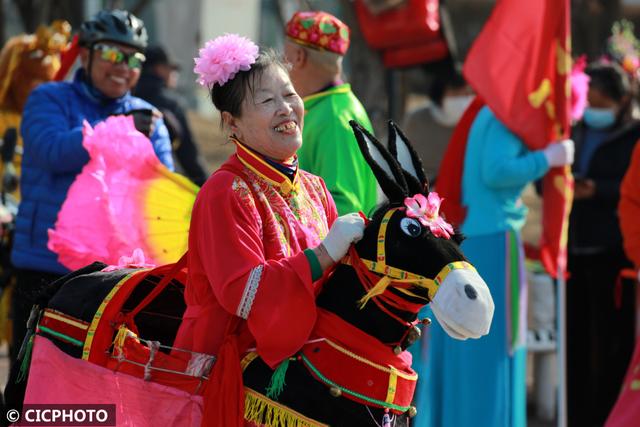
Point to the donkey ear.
(408, 158)
(387, 171)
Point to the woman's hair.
(229, 97)
(610, 79)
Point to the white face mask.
(453, 107)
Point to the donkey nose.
(470, 291)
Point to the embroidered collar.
(289, 169)
(259, 165)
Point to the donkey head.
(409, 255)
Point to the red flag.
(520, 65)
(67, 57)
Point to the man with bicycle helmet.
(111, 46)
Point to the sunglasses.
(116, 56)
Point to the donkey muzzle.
(463, 305)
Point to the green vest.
(330, 150)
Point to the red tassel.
(224, 398)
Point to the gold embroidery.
(286, 213)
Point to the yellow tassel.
(122, 334)
(378, 289)
(254, 408)
(264, 411)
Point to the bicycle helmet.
(118, 26)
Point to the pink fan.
(123, 200)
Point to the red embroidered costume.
(249, 228)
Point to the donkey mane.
(389, 317)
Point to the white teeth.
(119, 80)
(284, 127)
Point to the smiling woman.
(262, 231)
(272, 114)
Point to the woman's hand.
(346, 230)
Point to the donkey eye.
(411, 227)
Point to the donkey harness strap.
(396, 277)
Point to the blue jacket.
(497, 167)
(53, 156)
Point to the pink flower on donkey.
(427, 211)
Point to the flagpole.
(561, 351)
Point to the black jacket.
(593, 225)
(152, 89)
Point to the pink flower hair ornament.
(427, 211)
(223, 57)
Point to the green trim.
(314, 263)
(353, 393)
(61, 336)
(514, 286)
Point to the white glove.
(346, 230)
(559, 153)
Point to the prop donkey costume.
(252, 283)
(353, 370)
(349, 369)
